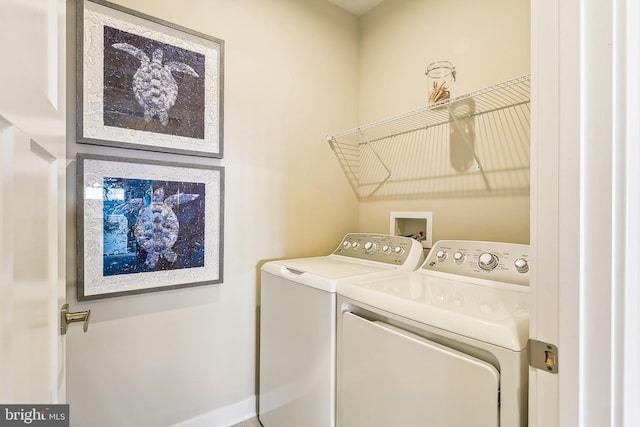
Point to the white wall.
(290, 78)
(488, 42)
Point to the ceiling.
(357, 7)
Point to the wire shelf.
(475, 144)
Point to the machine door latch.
(542, 355)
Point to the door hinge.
(542, 355)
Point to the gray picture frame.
(147, 225)
(147, 84)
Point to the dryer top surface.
(459, 289)
(496, 316)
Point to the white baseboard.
(224, 417)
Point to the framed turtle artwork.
(147, 84)
(146, 225)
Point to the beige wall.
(290, 78)
(296, 70)
(488, 42)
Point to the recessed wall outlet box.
(417, 225)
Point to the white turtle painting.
(154, 86)
(157, 226)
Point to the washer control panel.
(388, 249)
(497, 261)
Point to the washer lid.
(323, 272)
(497, 316)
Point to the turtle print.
(157, 227)
(154, 87)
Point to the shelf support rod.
(375, 153)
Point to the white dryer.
(444, 346)
(297, 378)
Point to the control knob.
(386, 249)
(458, 257)
(521, 265)
(355, 246)
(487, 261)
(346, 245)
(441, 255)
(370, 247)
(398, 250)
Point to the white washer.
(444, 346)
(298, 324)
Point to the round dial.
(355, 246)
(370, 247)
(346, 245)
(398, 250)
(521, 265)
(386, 249)
(458, 257)
(487, 261)
(441, 255)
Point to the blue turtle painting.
(157, 226)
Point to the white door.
(32, 200)
(545, 227)
(585, 209)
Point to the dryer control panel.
(496, 261)
(384, 248)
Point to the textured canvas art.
(152, 225)
(148, 84)
(152, 86)
(146, 225)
